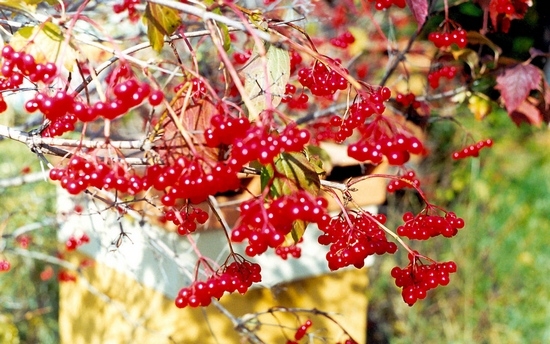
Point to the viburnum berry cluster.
(416, 279)
(385, 4)
(298, 102)
(447, 72)
(426, 225)
(186, 219)
(407, 180)
(76, 241)
(130, 6)
(321, 80)
(353, 236)
(343, 40)
(472, 150)
(265, 223)
(284, 251)
(239, 275)
(407, 100)
(446, 39)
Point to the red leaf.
(527, 112)
(419, 9)
(516, 83)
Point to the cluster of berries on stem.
(447, 72)
(407, 180)
(265, 223)
(186, 219)
(446, 39)
(353, 237)
(321, 80)
(416, 279)
(385, 4)
(239, 275)
(343, 40)
(76, 241)
(472, 150)
(300, 332)
(425, 225)
(407, 100)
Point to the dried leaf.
(419, 9)
(264, 80)
(161, 21)
(516, 83)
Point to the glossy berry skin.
(424, 226)
(417, 279)
(407, 180)
(447, 72)
(472, 150)
(446, 39)
(353, 237)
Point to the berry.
(472, 150)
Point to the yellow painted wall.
(119, 310)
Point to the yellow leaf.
(44, 43)
(19, 5)
(262, 81)
(161, 21)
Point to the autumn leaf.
(527, 112)
(419, 9)
(44, 43)
(161, 21)
(516, 83)
(263, 80)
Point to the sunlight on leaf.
(263, 80)
(161, 21)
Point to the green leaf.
(161, 21)
(263, 80)
(293, 171)
(23, 6)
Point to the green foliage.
(500, 292)
(28, 305)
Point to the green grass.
(500, 293)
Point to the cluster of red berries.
(186, 220)
(237, 276)
(385, 4)
(266, 223)
(79, 174)
(264, 145)
(298, 102)
(472, 150)
(397, 149)
(365, 107)
(4, 265)
(241, 58)
(18, 65)
(321, 80)
(73, 242)
(300, 332)
(407, 180)
(417, 279)
(353, 237)
(407, 100)
(447, 72)
(293, 250)
(130, 6)
(509, 7)
(446, 39)
(343, 40)
(324, 129)
(66, 276)
(225, 130)
(424, 226)
(193, 179)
